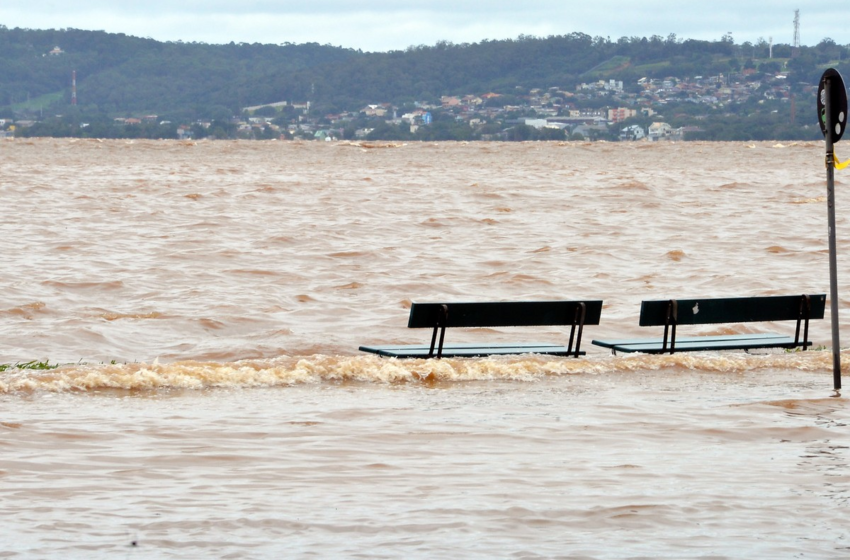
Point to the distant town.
(536, 114)
(558, 110)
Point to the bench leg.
(578, 321)
(442, 320)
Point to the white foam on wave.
(321, 369)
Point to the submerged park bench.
(672, 313)
(440, 316)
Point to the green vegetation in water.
(34, 364)
(819, 348)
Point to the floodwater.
(206, 301)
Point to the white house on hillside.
(634, 132)
(659, 130)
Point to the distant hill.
(123, 75)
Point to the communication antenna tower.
(796, 29)
(73, 87)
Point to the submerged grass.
(42, 365)
(34, 364)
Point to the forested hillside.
(119, 74)
(426, 73)
(122, 76)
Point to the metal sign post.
(832, 116)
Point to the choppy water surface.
(209, 299)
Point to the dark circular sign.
(837, 104)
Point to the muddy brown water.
(207, 301)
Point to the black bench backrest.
(730, 310)
(503, 313)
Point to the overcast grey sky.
(381, 25)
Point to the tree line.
(121, 76)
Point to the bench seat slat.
(696, 344)
(683, 339)
(470, 350)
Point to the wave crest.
(318, 369)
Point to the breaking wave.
(321, 369)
